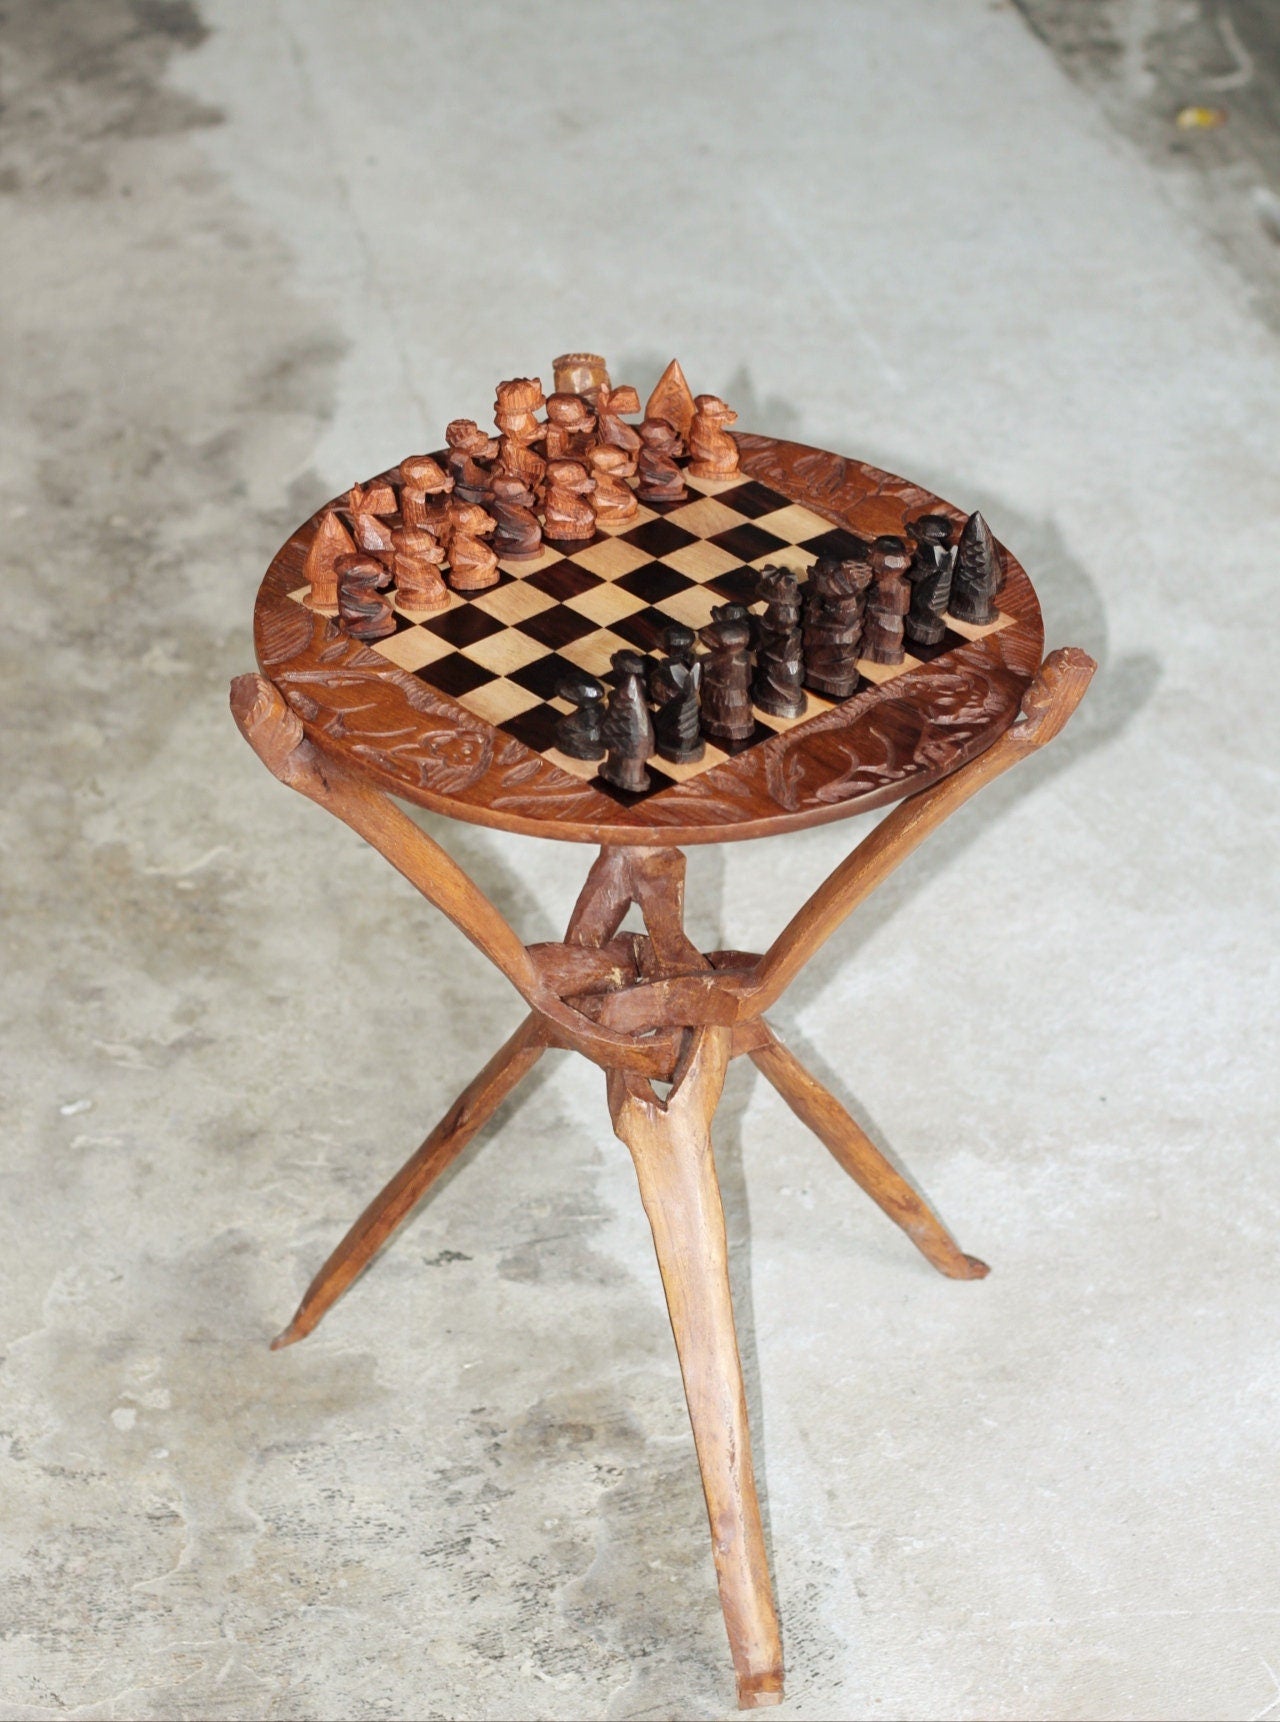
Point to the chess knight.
(715, 454)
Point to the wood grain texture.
(884, 743)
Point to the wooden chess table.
(453, 713)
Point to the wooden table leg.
(670, 1143)
(817, 1107)
(392, 1206)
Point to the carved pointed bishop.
(672, 400)
(331, 541)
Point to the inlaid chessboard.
(503, 652)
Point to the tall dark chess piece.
(777, 687)
(834, 601)
(578, 733)
(627, 729)
(660, 479)
(726, 679)
(977, 574)
(930, 577)
(887, 602)
(362, 610)
(674, 686)
(517, 536)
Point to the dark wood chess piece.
(675, 683)
(726, 679)
(578, 733)
(362, 609)
(930, 577)
(566, 511)
(887, 602)
(517, 534)
(778, 684)
(835, 596)
(570, 428)
(660, 479)
(628, 728)
(471, 451)
(715, 454)
(976, 579)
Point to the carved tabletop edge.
(887, 742)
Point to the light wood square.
(692, 606)
(593, 653)
(701, 561)
(583, 768)
(979, 630)
(639, 518)
(416, 615)
(605, 604)
(793, 556)
(413, 647)
(712, 486)
(682, 773)
(497, 701)
(706, 517)
(610, 560)
(880, 673)
(299, 594)
(531, 564)
(503, 653)
(794, 523)
(513, 603)
(814, 704)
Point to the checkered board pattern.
(503, 652)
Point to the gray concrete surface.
(255, 250)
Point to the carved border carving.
(885, 743)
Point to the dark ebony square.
(567, 546)
(402, 622)
(927, 654)
(465, 625)
(654, 581)
(535, 728)
(644, 630)
(563, 580)
(558, 627)
(657, 780)
(760, 733)
(659, 537)
(739, 584)
(753, 499)
(748, 543)
(838, 542)
(544, 675)
(454, 675)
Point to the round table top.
(453, 712)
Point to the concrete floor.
(256, 250)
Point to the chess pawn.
(613, 501)
(834, 600)
(570, 423)
(472, 564)
(726, 680)
(469, 446)
(578, 733)
(659, 476)
(611, 429)
(715, 454)
(331, 541)
(976, 578)
(518, 536)
(567, 512)
(424, 490)
(675, 684)
(627, 729)
(419, 557)
(777, 688)
(887, 602)
(930, 577)
(362, 609)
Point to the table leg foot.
(670, 1143)
(817, 1107)
(392, 1206)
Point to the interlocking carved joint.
(651, 1006)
